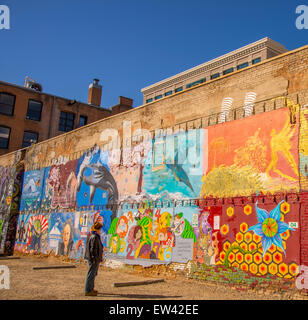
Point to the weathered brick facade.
(252, 131)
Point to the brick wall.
(51, 107)
(275, 84)
(284, 76)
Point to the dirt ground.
(68, 284)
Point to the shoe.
(95, 291)
(91, 293)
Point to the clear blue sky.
(130, 44)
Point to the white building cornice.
(217, 62)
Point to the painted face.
(138, 234)
(122, 225)
(66, 234)
(122, 228)
(162, 236)
(179, 225)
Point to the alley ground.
(68, 284)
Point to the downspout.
(51, 116)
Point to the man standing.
(94, 255)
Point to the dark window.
(149, 100)
(243, 65)
(4, 137)
(214, 76)
(158, 97)
(66, 122)
(230, 70)
(195, 83)
(29, 138)
(257, 60)
(34, 110)
(168, 93)
(178, 89)
(83, 121)
(7, 102)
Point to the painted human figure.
(134, 237)
(122, 226)
(205, 250)
(71, 189)
(35, 241)
(66, 245)
(114, 244)
(21, 231)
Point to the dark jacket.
(94, 248)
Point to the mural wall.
(261, 237)
(11, 179)
(262, 160)
(149, 201)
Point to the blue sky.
(130, 44)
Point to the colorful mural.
(60, 186)
(257, 238)
(95, 183)
(263, 160)
(149, 201)
(32, 190)
(11, 179)
(64, 233)
(303, 148)
(175, 167)
(207, 231)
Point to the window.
(158, 97)
(34, 110)
(168, 93)
(257, 60)
(4, 137)
(7, 102)
(83, 121)
(243, 65)
(149, 100)
(195, 83)
(228, 71)
(178, 89)
(66, 122)
(29, 138)
(214, 76)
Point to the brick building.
(241, 58)
(29, 115)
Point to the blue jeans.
(92, 273)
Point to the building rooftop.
(51, 95)
(265, 43)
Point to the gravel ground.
(68, 284)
